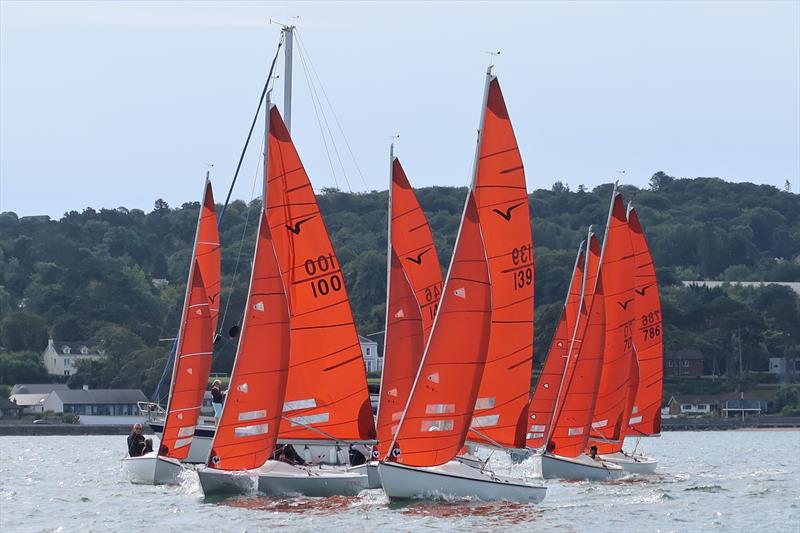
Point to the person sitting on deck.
(148, 446)
(216, 399)
(287, 454)
(136, 441)
(358, 454)
(593, 453)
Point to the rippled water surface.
(725, 481)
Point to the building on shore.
(98, 406)
(686, 362)
(369, 350)
(61, 358)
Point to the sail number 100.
(324, 283)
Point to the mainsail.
(413, 291)
(569, 431)
(543, 402)
(326, 391)
(434, 424)
(646, 412)
(502, 201)
(251, 416)
(190, 370)
(610, 419)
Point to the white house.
(31, 403)
(60, 358)
(369, 350)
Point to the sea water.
(723, 481)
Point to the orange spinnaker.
(208, 254)
(543, 403)
(190, 373)
(576, 398)
(502, 200)
(251, 416)
(648, 336)
(436, 420)
(326, 390)
(610, 420)
(414, 290)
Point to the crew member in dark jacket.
(136, 441)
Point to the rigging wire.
(261, 100)
(315, 95)
(314, 103)
(304, 51)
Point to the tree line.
(90, 275)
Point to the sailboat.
(207, 252)
(414, 288)
(645, 407)
(191, 366)
(248, 427)
(326, 399)
(566, 434)
(441, 407)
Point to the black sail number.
(323, 283)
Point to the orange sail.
(403, 348)
(434, 426)
(502, 199)
(540, 411)
(251, 415)
(610, 420)
(326, 390)
(412, 241)
(190, 372)
(572, 419)
(646, 416)
(414, 289)
(208, 254)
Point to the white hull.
(151, 469)
(371, 470)
(276, 478)
(632, 464)
(311, 453)
(223, 483)
(578, 468)
(469, 460)
(455, 480)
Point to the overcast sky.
(117, 104)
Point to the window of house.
(686, 362)
(66, 361)
(670, 363)
(66, 372)
(367, 351)
(84, 350)
(686, 407)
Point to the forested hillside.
(89, 275)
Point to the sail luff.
(208, 253)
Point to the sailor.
(358, 454)
(593, 453)
(216, 399)
(136, 441)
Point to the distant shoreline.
(779, 423)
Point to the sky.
(118, 104)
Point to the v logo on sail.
(418, 259)
(643, 290)
(296, 228)
(507, 214)
(624, 304)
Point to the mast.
(288, 32)
(388, 267)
